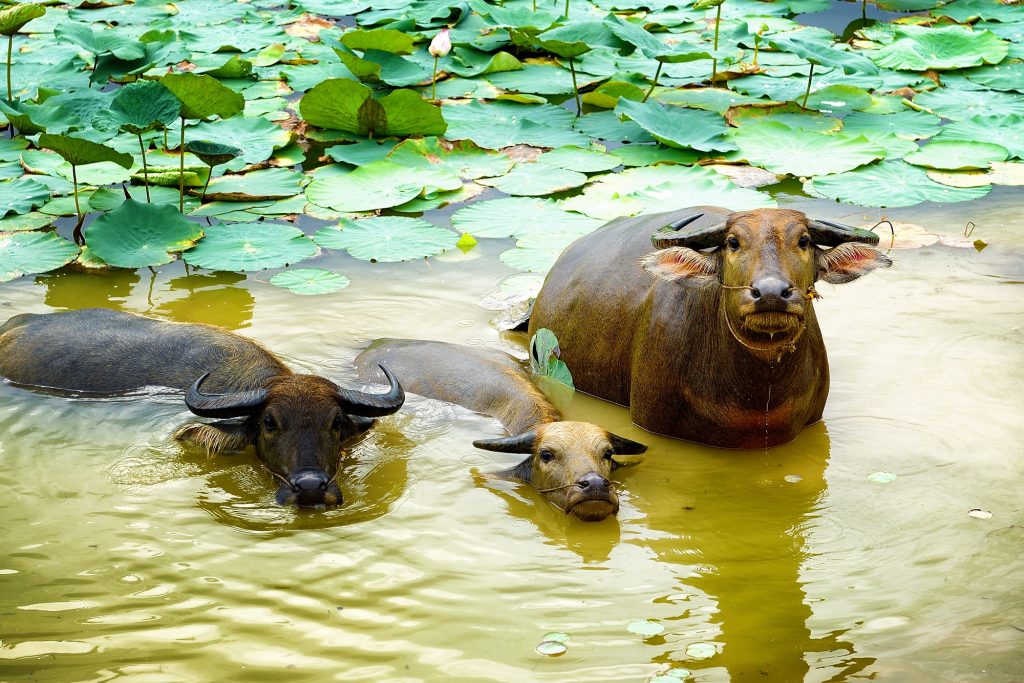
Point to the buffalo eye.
(547, 456)
(269, 423)
(733, 243)
(338, 422)
(804, 242)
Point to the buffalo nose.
(772, 290)
(309, 481)
(592, 481)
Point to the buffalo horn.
(373, 405)
(223, 405)
(673, 235)
(829, 234)
(520, 443)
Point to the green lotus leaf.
(648, 155)
(463, 158)
(537, 252)
(535, 179)
(378, 185)
(963, 104)
(383, 39)
(838, 100)
(538, 79)
(32, 220)
(605, 125)
(267, 183)
(802, 44)
(361, 153)
(678, 126)
(549, 41)
(468, 62)
(21, 195)
(635, 35)
(919, 48)
(33, 252)
(100, 41)
(909, 124)
(203, 96)
(1005, 76)
(212, 153)
(16, 16)
(497, 125)
(718, 100)
(250, 246)
(247, 37)
(790, 114)
(781, 149)
(136, 235)
(256, 137)
(957, 155)
(1007, 131)
(341, 104)
(109, 198)
(575, 158)
(606, 95)
(77, 151)
(889, 184)
(310, 281)
(966, 11)
(387, 238)
(519, 216)
(139, 108)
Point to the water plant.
(12, 19)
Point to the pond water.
(125, 554)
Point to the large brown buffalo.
(568, 462)
(710, 335)
(297, 423)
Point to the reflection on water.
(125, 554)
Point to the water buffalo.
(568, 462)
(297, 423)
(711, 336)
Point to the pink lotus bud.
(441, 44)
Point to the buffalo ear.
(623, 446)
(216, 437)
(677, 264)
(849, 261)
(523, 472)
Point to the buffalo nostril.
(788, 293)
(592, 481)
(755, 292)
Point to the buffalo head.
(569, 463)
(297, 424)
(766, 261)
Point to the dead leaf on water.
(746, 176)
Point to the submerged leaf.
(645, 628)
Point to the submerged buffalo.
(297, 423)
(711, 336)
(568, 462)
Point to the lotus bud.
(441, 45)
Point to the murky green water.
(124, 555)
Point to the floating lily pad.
(267, 183)
(891, 183)
(378, 185)
(701, 650)
(29, 221)
(978, 513)
(782, 149)
(109, 198)
(536, 252)
(645, 628)
(837, 100)
(964, 104)
(33, 252)
(387, 238)
(574, 158)
(503, 124)
(361, 153)
(310, 281)
(250, 246)
(22, 195)
(678, 126)
(648, 155)
(535, 179)
(136, 235)
(882, 477)
(909, 124)
(1006, 131)
(551, 648)
(1008, 173)
(557, 636)
(605, 125)
(212, 153)
(919, 48)
(957, 155)
(519, 216)
(256, 137)
(462, 158)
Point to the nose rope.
(611, 485)
(278, 476)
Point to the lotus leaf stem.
(714, 61)
(10, 49)
(655, 83)
(433, 81)
(181, 170)
(575, 89)
(810, 74)
(566, 9)
(206, 185)
(145, 169)
(864, 10)
(77, 234)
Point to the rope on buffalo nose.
(611, 485)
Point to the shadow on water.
(747, 514)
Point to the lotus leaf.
(606, 125)
(1006, 131)
(212, 153)
(250, 246)
(965, 11)
(378, 185)
(463, 158)
(310, 281)
(1005, 76)
(136, 235)
(957, 155)
(790, 114)
(964, 104)
(256, 137)
(268, 183)
(888, 184)
(203, 96)
(919, 48)
(100, 41)
(77, 151)
(22, 195)
(519, 216)
(361, 153)
(29, 221)
(33, 252)
(535, 179)
(340, 104)
(109, 198)
(648, 155)
(718, 100)
(537, 252)
(14, 17)
(228, 38)
(386, 40)
(782, 149)
(387, 238)
(839, 99)
(678, 126)
(539, 79)
(912, 125)
(139, 108)
(503, 124)
(802, 44)
(578, 159)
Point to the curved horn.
(373, 405)
(223, 405)
(521, 443)
(673, 235)
(829, 234)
